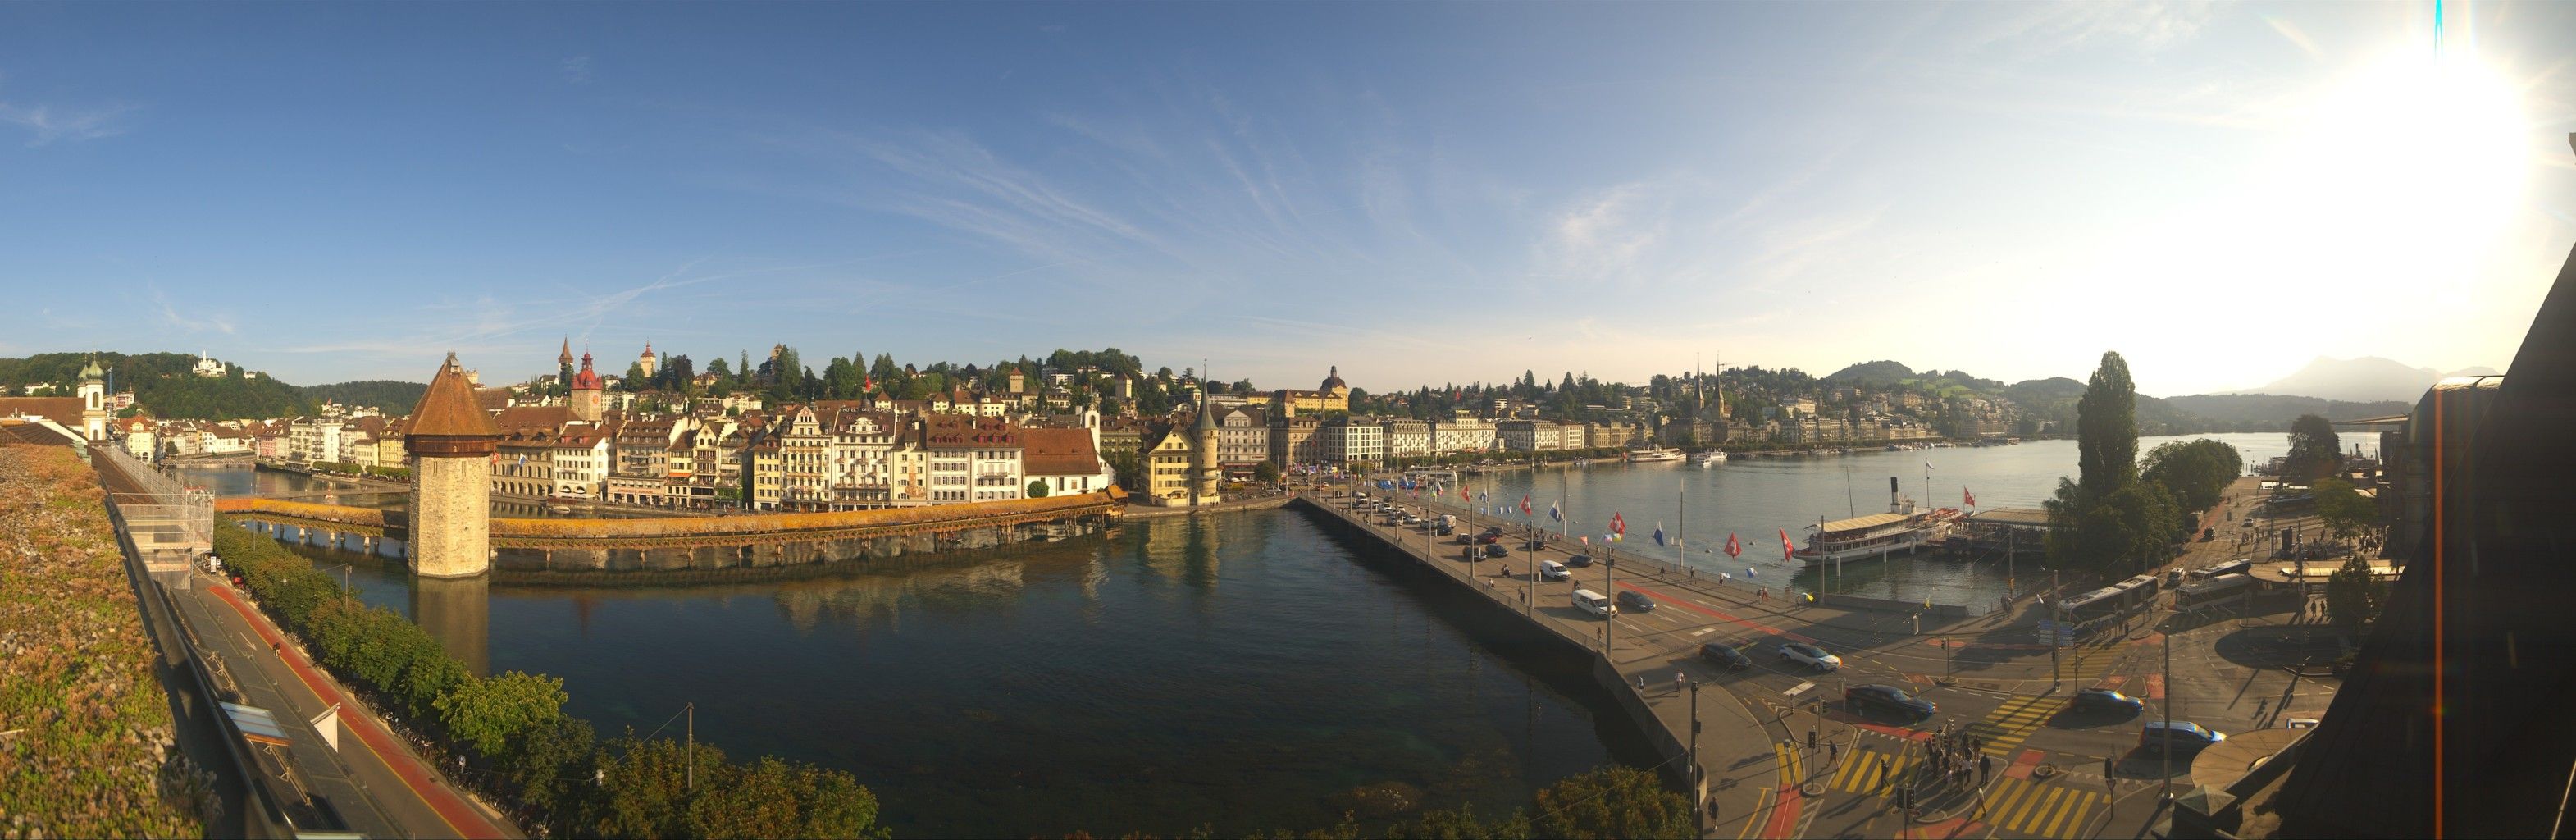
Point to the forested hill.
(392, 396)
(2271, 413)
(165, 384)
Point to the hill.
(2364, 380)
(392, 396)
(2273, 413)
(1879, 373)
(164, 384)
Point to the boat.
(1653, 454)
(1709, 458)
(1904, 527)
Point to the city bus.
(2220, 591)
(2110, 601)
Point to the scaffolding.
(164, 517)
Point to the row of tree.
(517, 739)
(2114, 514)
(166, 384)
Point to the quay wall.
(1669, 748)
(1944, 613)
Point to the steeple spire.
(565, 358)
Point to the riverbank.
(1136, 511)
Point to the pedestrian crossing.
(2003, 729)
(1793, 765)
(2022, 806)
(1874, 773)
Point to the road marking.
(1798, 689)
(2004, 728)
(1702, 632)
(2155, 686)
(2034, 808)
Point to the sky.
(1416, 193)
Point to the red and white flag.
(1525, 506)
(1788, 550)
(1972, 497)
(1733, 548)
(1618, 525)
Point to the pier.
(1756, 750)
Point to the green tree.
(635, 379)
(2353, 597)
(2106, 429)
(1037, 488)
(1462, 824)
(1613, 801)
(2134, 527)
(1266, 472)
(2342, 508)
(488, 713)
(2197, 472)
(2314, 451)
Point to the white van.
(1552, 570)
(1594, 603)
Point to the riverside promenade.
(1757, 760)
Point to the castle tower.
(1203, 466)
(452, 444)
(93, 396)
(564, 360)
(646, 361)
(586, 392)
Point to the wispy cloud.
(47, 124)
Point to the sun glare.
(2424, 155)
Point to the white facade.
(581, 461)
(1465, 433)
(313, 439)
(1406, 438)
(1351, 442)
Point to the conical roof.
(448, 408)
(1207, 414)
(563, 358)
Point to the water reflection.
(459, 612)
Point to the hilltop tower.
(564, 360)
(93, 397)
(647, 362)
(452, 444)
(586, 392)
(1203, 467)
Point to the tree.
(2197, 472)
(1266, 472)
(2134, 527)
(2353, 596)
(2343, 509)
(1613, 801)
(1037, 488)
(2106, 429)
(491, 712)
(2314, 451)
(723, 372)
(635, 379)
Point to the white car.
(1810, 656)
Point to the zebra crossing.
(1874, 773)
(2003, 729)
(2022, 806)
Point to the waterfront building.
(1406, 437)
(312, 440)
(768, 477)
(1352, 442)
(1292, 438)
(451, 441)
(804, 461)
(1204, 437)
(1570, 435)
(580, 457)
(1529, 435)
(1067, 461)
(1124, 434)
(1462, 432)
(1242, 440)
(140, 436)
(862, 450)
(1170, 462)
(971, 459)
(524, 467)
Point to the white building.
(312, 439)
(1406, 437)
(1464, 433)
(1529, 435)
(1350, 441)
(582, 455)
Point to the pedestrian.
(1677, 682)
(1833, 752)
(1985, 769)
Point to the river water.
(1243, 672)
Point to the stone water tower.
(1203, 461)
(452, 443)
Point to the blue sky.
(1416, 193)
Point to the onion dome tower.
(452, 444)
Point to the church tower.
(1203, 465)
(586, 392)
(93, 397)
(647, 361)
(563, 360)
(452, 444)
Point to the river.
(1243, 672)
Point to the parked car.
(1810, 656)
(2106, 701)
(1634, 601)
(2181, 736)
(1890, 699)
(1497, 550)
(1579, 561)
(1725, 656)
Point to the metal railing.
(165, 516)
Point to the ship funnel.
(1892, 504)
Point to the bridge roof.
(448, 408)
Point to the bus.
(2238, 566)
(2109, 602)
(2220, 591)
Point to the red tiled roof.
(1058, 452)
(64, 411)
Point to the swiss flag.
(1618, 525)
(1733, 548)
(1788, 550)
(1462, 492)
(1525, 506)
(1972, 497)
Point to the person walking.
(1985, 769)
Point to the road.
(373, 781)
(1988, 675)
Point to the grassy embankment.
(86, 743)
